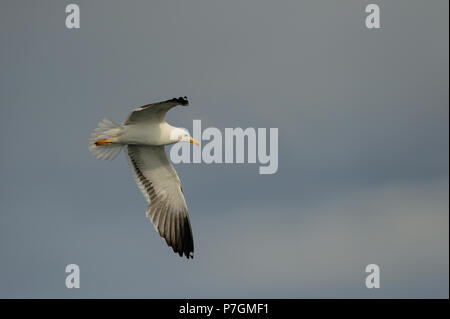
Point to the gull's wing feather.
(154, 112)
(161, 186)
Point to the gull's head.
(181, 135)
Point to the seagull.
(144, 135)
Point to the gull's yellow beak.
(194, 141)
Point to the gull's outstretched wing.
(161, 186)
(154, 112)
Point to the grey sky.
(363, 118)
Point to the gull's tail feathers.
(102, 140)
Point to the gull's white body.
(144, 134)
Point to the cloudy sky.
(363, 119)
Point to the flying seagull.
(144, 134)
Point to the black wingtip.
(182, 100)
(189, 254)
